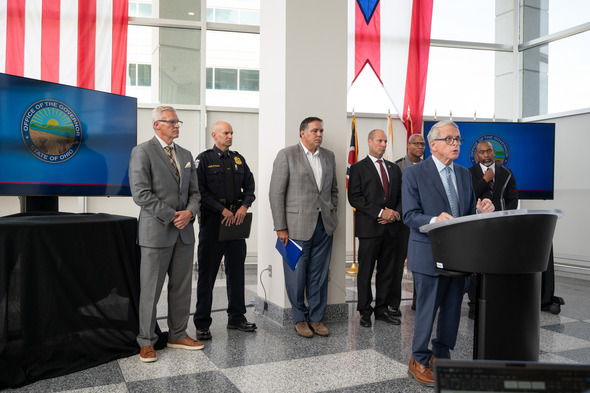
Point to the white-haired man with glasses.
(164, 185)
(433, 190)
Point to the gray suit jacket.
(156, 189)
(295, 200)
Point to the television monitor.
(527, 149)
(58, 140)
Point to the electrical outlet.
(269, 270)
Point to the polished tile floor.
(351, 359)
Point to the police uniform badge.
(237, 160)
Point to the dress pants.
(380, 250)
(401, 252)
(436, 293)
(177, 262)
(310, 277)
(210, 251)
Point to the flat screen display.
(63, 140)
(527, 149)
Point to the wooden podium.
(509, 249)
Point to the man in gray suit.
(303, 199)
(164, 184)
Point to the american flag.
(353, 154)
(74, 42)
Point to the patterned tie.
(172, 161)
(451, 194)
(384, 178)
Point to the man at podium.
(436, 190)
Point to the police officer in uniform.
(227, 191)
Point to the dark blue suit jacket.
(424, 197)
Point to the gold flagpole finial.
(434, 115)
(475, 116)
(451, 115)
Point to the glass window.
(464, 20)
(209, 77)
(210, 15)
(169, 57)
(226, 16)
(460, 81)
(144, 75)
(226, 79)
(547, 17)
(132, 75)
(144, 10)
(250, 17)
(249, 80)
(556, 76)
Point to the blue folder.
(290, 252)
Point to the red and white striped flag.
(74, 42)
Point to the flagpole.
(353, 158)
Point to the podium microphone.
(502, 201)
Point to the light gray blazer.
(295, 200)
(156, 189)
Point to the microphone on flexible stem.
(502, 201)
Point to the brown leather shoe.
(319, 328)
(186, 343)
(431, 361)
(303, 329)
(420, 372)
(147, 354)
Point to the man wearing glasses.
(415, 152)
(436, 190)
(164, 185)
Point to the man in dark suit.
(436, 190)
(490, 180)
(163, 182)
(415, 152)
(374, 189)
(304, 199)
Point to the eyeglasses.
(449, 140)
(172, 122)
(419, 144)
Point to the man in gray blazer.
(164, 184)
(303, 199)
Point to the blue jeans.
(310, 277)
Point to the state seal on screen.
(51, 131)
(502, 155)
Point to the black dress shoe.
(242, 326)
(394, 311)
(386, 317)
(252, 324)
(203, 334)
(366, 320)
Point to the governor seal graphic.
(502, 151)
(51, 131)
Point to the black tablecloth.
(69, 293)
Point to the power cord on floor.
(269, 269)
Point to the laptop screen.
(499, 376)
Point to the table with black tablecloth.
(69, 293)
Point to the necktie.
(172, 160)
(451, 193)
(491, 182)
(229, 178)
(384, 178)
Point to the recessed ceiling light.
(191, 13)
